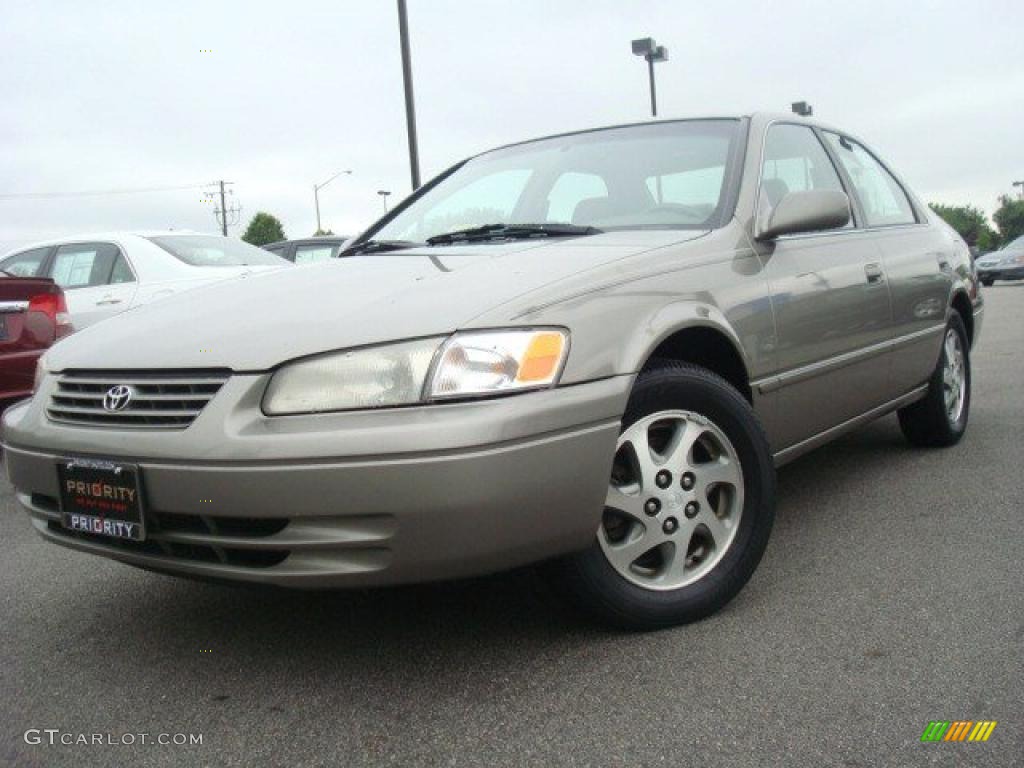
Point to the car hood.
(258, 321)
(992, 259)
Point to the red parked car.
(33, 315)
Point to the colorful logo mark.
(958, 730)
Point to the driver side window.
(794, 161)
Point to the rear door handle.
(874, 273)
(107, 300)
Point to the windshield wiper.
(511, 232)
(378, 246)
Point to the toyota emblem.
(117, 398)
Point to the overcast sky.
(118, 95)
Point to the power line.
(94, 193)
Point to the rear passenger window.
(122, 272)
(881, 196)
(794, 161)
(26, 264)
(83, 264)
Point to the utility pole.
(384, 196)
(1020, 184)
(226, 216)
(410, 107)
(223, 207)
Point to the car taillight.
(54, 307)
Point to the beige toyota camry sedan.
(589, 351)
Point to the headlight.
(41, 371)
(373, 377)
(494, 362)
(471, 364)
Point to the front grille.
(158, 400)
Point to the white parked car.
(105, 274)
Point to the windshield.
(1015, 245)
(658, 176)
(213, 251)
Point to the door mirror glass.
(810, 211)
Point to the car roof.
(113, 236)
(763, 118)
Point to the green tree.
(323, 233)
(969, 222)
(988, 240)
(263, 228)
(1009, 218)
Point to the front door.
(830, 299)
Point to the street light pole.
(316, 194)
(410, 107)
(384, 196)
(652, 53)
(1020, 184)
(654, 92)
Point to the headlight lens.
(471, 364)
(494, 362)
(373, 377)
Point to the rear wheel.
(689, 508)
(940, 418)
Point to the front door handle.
(874, 273)
(107, 300)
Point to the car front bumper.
(342, 499)
(1001, 273)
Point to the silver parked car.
(591, 350)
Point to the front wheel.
(987, 281)
(689, 508)
(940, 418)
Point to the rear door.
(829, 297)
(97, 280)
(916, 257)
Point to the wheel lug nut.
(691, 509)
(688, 481)
(652, 507)
(663, 479)
(670, 525)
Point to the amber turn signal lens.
(542, 357)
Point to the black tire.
(589, 579)
(987, 281)
(926, 423)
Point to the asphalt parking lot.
(890, 595)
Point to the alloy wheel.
(954, 376)
(674, 501)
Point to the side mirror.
(810, 211)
